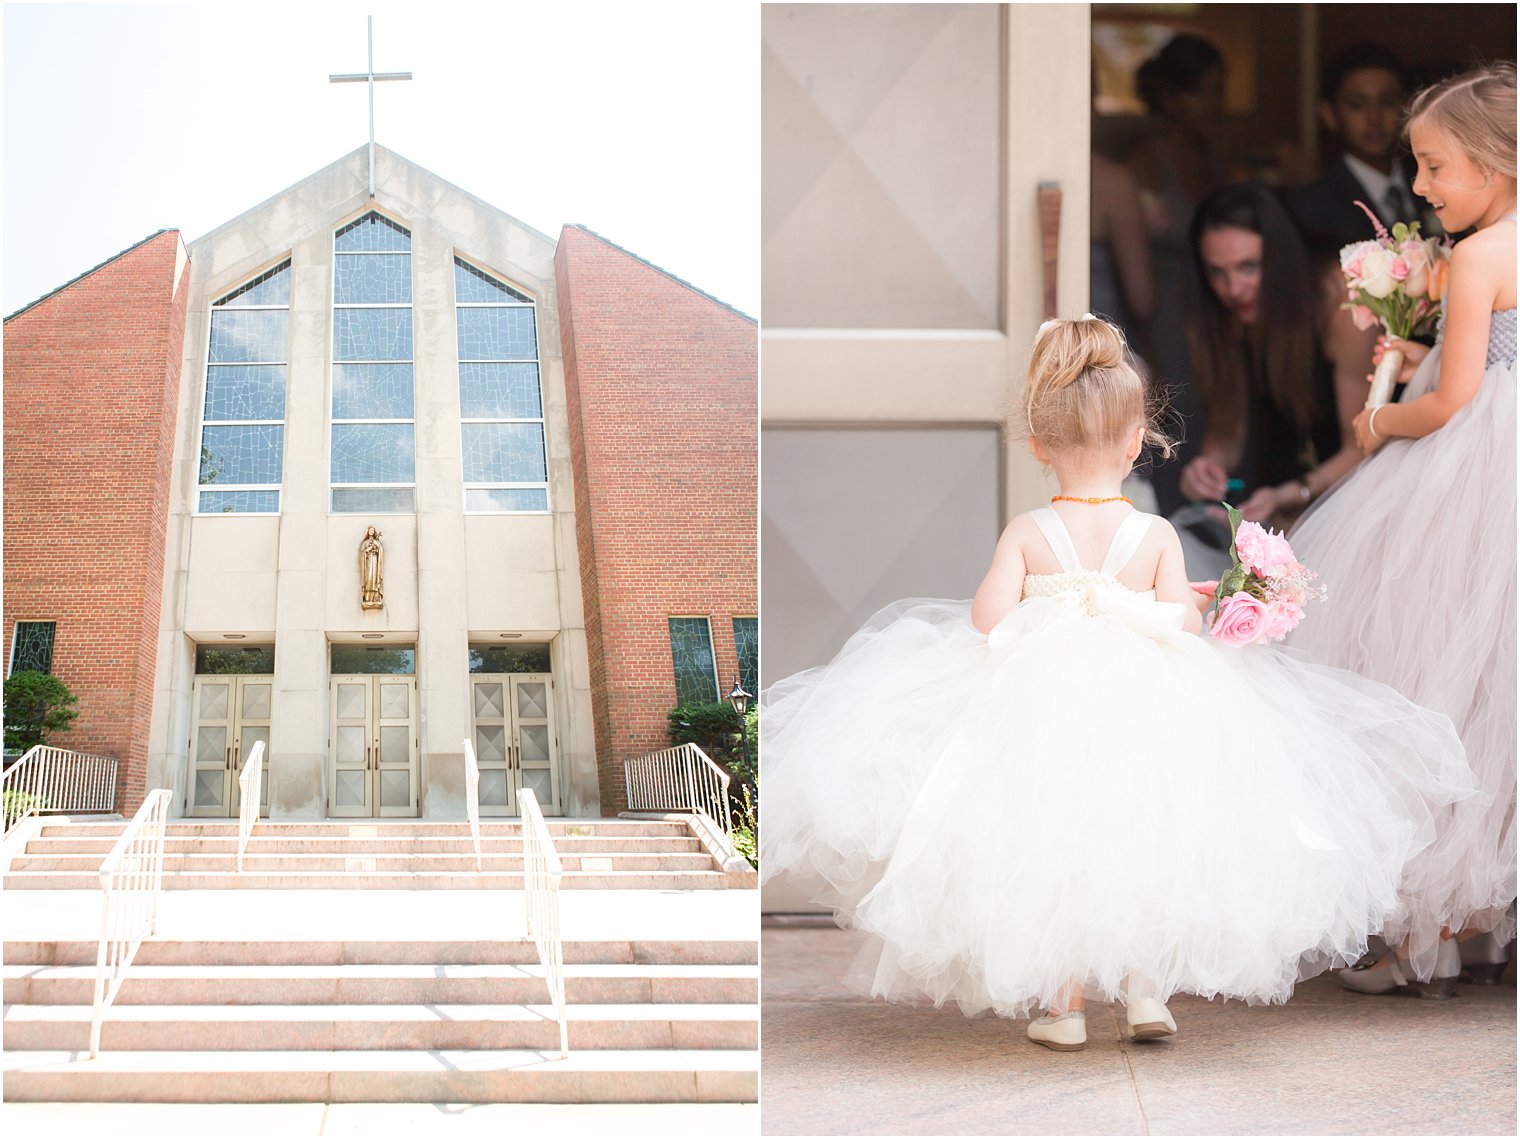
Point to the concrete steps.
(337, 968)
(147, 1028)
(321, 1076)
(383, 984)
(406, 854)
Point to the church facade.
(361, 489)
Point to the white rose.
(1377, 273)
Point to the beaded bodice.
(1501, 338)
(1073, 576)
(1501, 335)
(1053, 584)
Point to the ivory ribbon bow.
(1159, 620)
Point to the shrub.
(37, 704)
(747, 828)
(14, 804)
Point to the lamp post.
(740, 700)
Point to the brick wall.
(91, 393)
(663, 410)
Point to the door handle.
(228, 762)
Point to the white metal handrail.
(55, 779)
(681, 778)
(541, 879)
(472, 798)
(250, 791)
(131, 879)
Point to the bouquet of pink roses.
(1264, 593)
(1397, 280)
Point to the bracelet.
(1305, 492)
(1372, 421)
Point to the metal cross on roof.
(371, 78)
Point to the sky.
(640, 121)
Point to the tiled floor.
(1329, 1062)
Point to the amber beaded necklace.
(1091, 501)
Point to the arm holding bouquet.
(1475, 284)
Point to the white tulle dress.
(1417, 550)
(1090, 792)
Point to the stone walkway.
(1329, 1062)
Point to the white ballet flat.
(1146, 1018)
(1064, 1032)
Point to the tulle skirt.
(1417, 550)
(1073, 797)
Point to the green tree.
(37, 704)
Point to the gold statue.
(371, 571)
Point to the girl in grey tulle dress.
(1417, 546)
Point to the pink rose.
(1363, 317)
(1262, 551)
(1416, 258)
(1239, 620)
(1283, 616)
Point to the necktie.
(1394, 206)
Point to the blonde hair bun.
(1082, 390)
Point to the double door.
(372, 751)
(231, 714)
(515, 744)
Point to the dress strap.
(1057, 538)
(1126, 541)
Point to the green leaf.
(1400, 232)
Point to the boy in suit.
(1362, 97)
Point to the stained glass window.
(506, 463)
(32, 646)
(747, 648)
(692, 651)
(243, 413)
(373, 456)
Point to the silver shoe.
(1374, 973)
(1064, 1032)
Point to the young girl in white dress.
(1418, 543)
(1060, 790)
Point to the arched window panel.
(242, 393)
(373, 279)
(504, 453)
(372, 452)
(497, 334)
(372, 391)
(475, 286)
(501, 404)
(372, 234)
(254, 336)
(373, 425)
(269, 288)
(243, 411)
(500, 391)
(372, 334)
